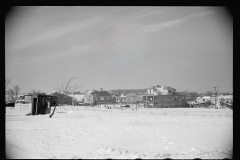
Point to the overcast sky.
(188, 48)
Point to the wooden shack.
(41, 104)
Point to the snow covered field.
(86, 132)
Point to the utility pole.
(215, 97)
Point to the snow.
(87, 132)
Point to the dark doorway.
(34, 106)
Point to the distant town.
(152, 97)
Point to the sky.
(119, 47)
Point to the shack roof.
(58, 95)
(43, 95)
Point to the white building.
(161, 90)
(226, 98)
(121, 99)
(79, 98)
(88, 98)
(203, 99)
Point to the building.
(226, 98)
(26, 98)
(98, 97)
(88, 97)
(171, 100)
(204, 99)
(62, 98)
(115, 97)
(212, 99)
(157, 90)
(148, 97)
(77, 98)
(121, 98)
(163, 90)
(41, 104)
(131, 98)
(163, 96)
(128, 98)
(140, 97)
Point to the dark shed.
(41, 104)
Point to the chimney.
(101, 89)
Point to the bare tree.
(7, 81)
(64, 89)
(209, 93)
(9, 95)
(16, 90)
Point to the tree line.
(11, 94)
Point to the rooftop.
(101, 93)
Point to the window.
(101, 98)
(169, 91)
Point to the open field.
(86, 132)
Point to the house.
(140, 97)
(77, 98)
(121, 98)
(203, 99)
(226, 98)
(163, 90)
(25, 98)
(88, 97)
(63, 98)
(98, 97)
(102, 97)
(170, 100)
(131, 98)
(20, 99)
(28, 98)
(115, 97)
(128, 98)
(148, 97)
(163, 96)
(157, 90)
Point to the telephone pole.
(215, 97)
